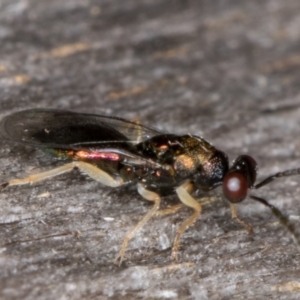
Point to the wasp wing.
(50, 128)
(59, 128)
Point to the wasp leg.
(188, 200)
(98, 174)
(40, 176)
(236, 218)
(169, 210)
(92, 171)
(189, 187)
(148, 195)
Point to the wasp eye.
(235, 187)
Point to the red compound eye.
(235, 187)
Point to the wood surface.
(226, 70)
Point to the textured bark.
(226, 70)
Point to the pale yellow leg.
(187, 200)
(235, 217)
(169, 210)
(189, 187)
(91, 170)
(151, 196)
(98, 175)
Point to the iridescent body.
(115, 152)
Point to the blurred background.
(226, 70)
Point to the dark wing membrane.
(52, 128)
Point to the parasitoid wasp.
(115, 151)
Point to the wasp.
(116, 152)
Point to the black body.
(135, 152)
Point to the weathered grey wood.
(227, 70)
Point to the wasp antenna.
(271, 178)
(3, 185)
(284, 220)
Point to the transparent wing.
(52, 128)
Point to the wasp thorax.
(211, 172)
